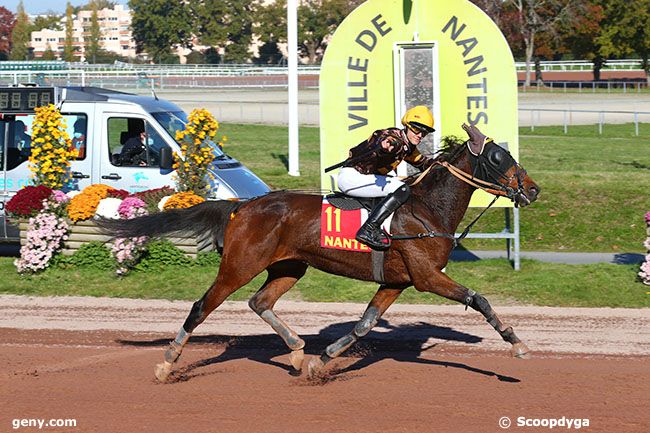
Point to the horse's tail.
(209, 216)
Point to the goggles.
(418, 130)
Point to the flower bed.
(83, 232)
(52, 222)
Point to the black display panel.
(24, 99)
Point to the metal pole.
(292, 49)
(515, 212)
(508, 229)
(532, 120)
(601, 115)
(636, 123)
(565, 125)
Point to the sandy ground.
(424, 369)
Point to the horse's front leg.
(383, 299)
(439, 283)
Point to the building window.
(37, 39)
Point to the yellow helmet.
(419, 117)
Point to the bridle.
(492, 170)
(493, 166)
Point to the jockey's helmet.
(419, 117)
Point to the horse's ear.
(477, 139)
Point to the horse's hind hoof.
(520, 350)
(296, 358)
(315, 367)
(162, 371)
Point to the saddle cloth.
(339, 224)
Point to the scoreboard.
(24, 99)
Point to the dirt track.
(425, 369)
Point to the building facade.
(115, 29)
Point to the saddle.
(347, 202)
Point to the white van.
(100, 122)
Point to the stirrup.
(375, 238)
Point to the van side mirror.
(166, 159)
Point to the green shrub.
(90, 255)
(160, 254)
(208, 258)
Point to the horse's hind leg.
(229, 279)
(383, 299)
(282, 276)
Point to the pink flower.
(45, 235)
(132, 207)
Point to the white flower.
(107, 208)
(161, 203)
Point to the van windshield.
(174, 121)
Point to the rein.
(432, 234)
(496, 189)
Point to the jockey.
(365, 172)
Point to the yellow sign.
(473, 64)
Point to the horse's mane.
(450, 148)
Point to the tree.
(581, 37)
(269, 54)
(20, 35)
(97, 4)
(271, 23)
(159, 25)
(227, 24)
(195, 58)
(92, 41)
(68, 48)
(626, 30)
(7, 21)
(542, 16)
(48, 54)
(317, 20)
(50, 21)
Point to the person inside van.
(79, 137)
(134, 152)
(22, 140)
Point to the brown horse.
(280, 233)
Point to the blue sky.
(34, 7)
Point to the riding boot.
(371, 232)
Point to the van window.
(77, 128)
(133, 142)
(19, 147)
(20, 141)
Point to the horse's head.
(492, 163)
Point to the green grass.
(594, 188)
(599, 285)
(595, 194)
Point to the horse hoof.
(162, 371)
(520, 350)
(315, 366)
(296, 358)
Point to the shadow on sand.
(405, 343)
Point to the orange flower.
(182, 200)
(84, 205)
